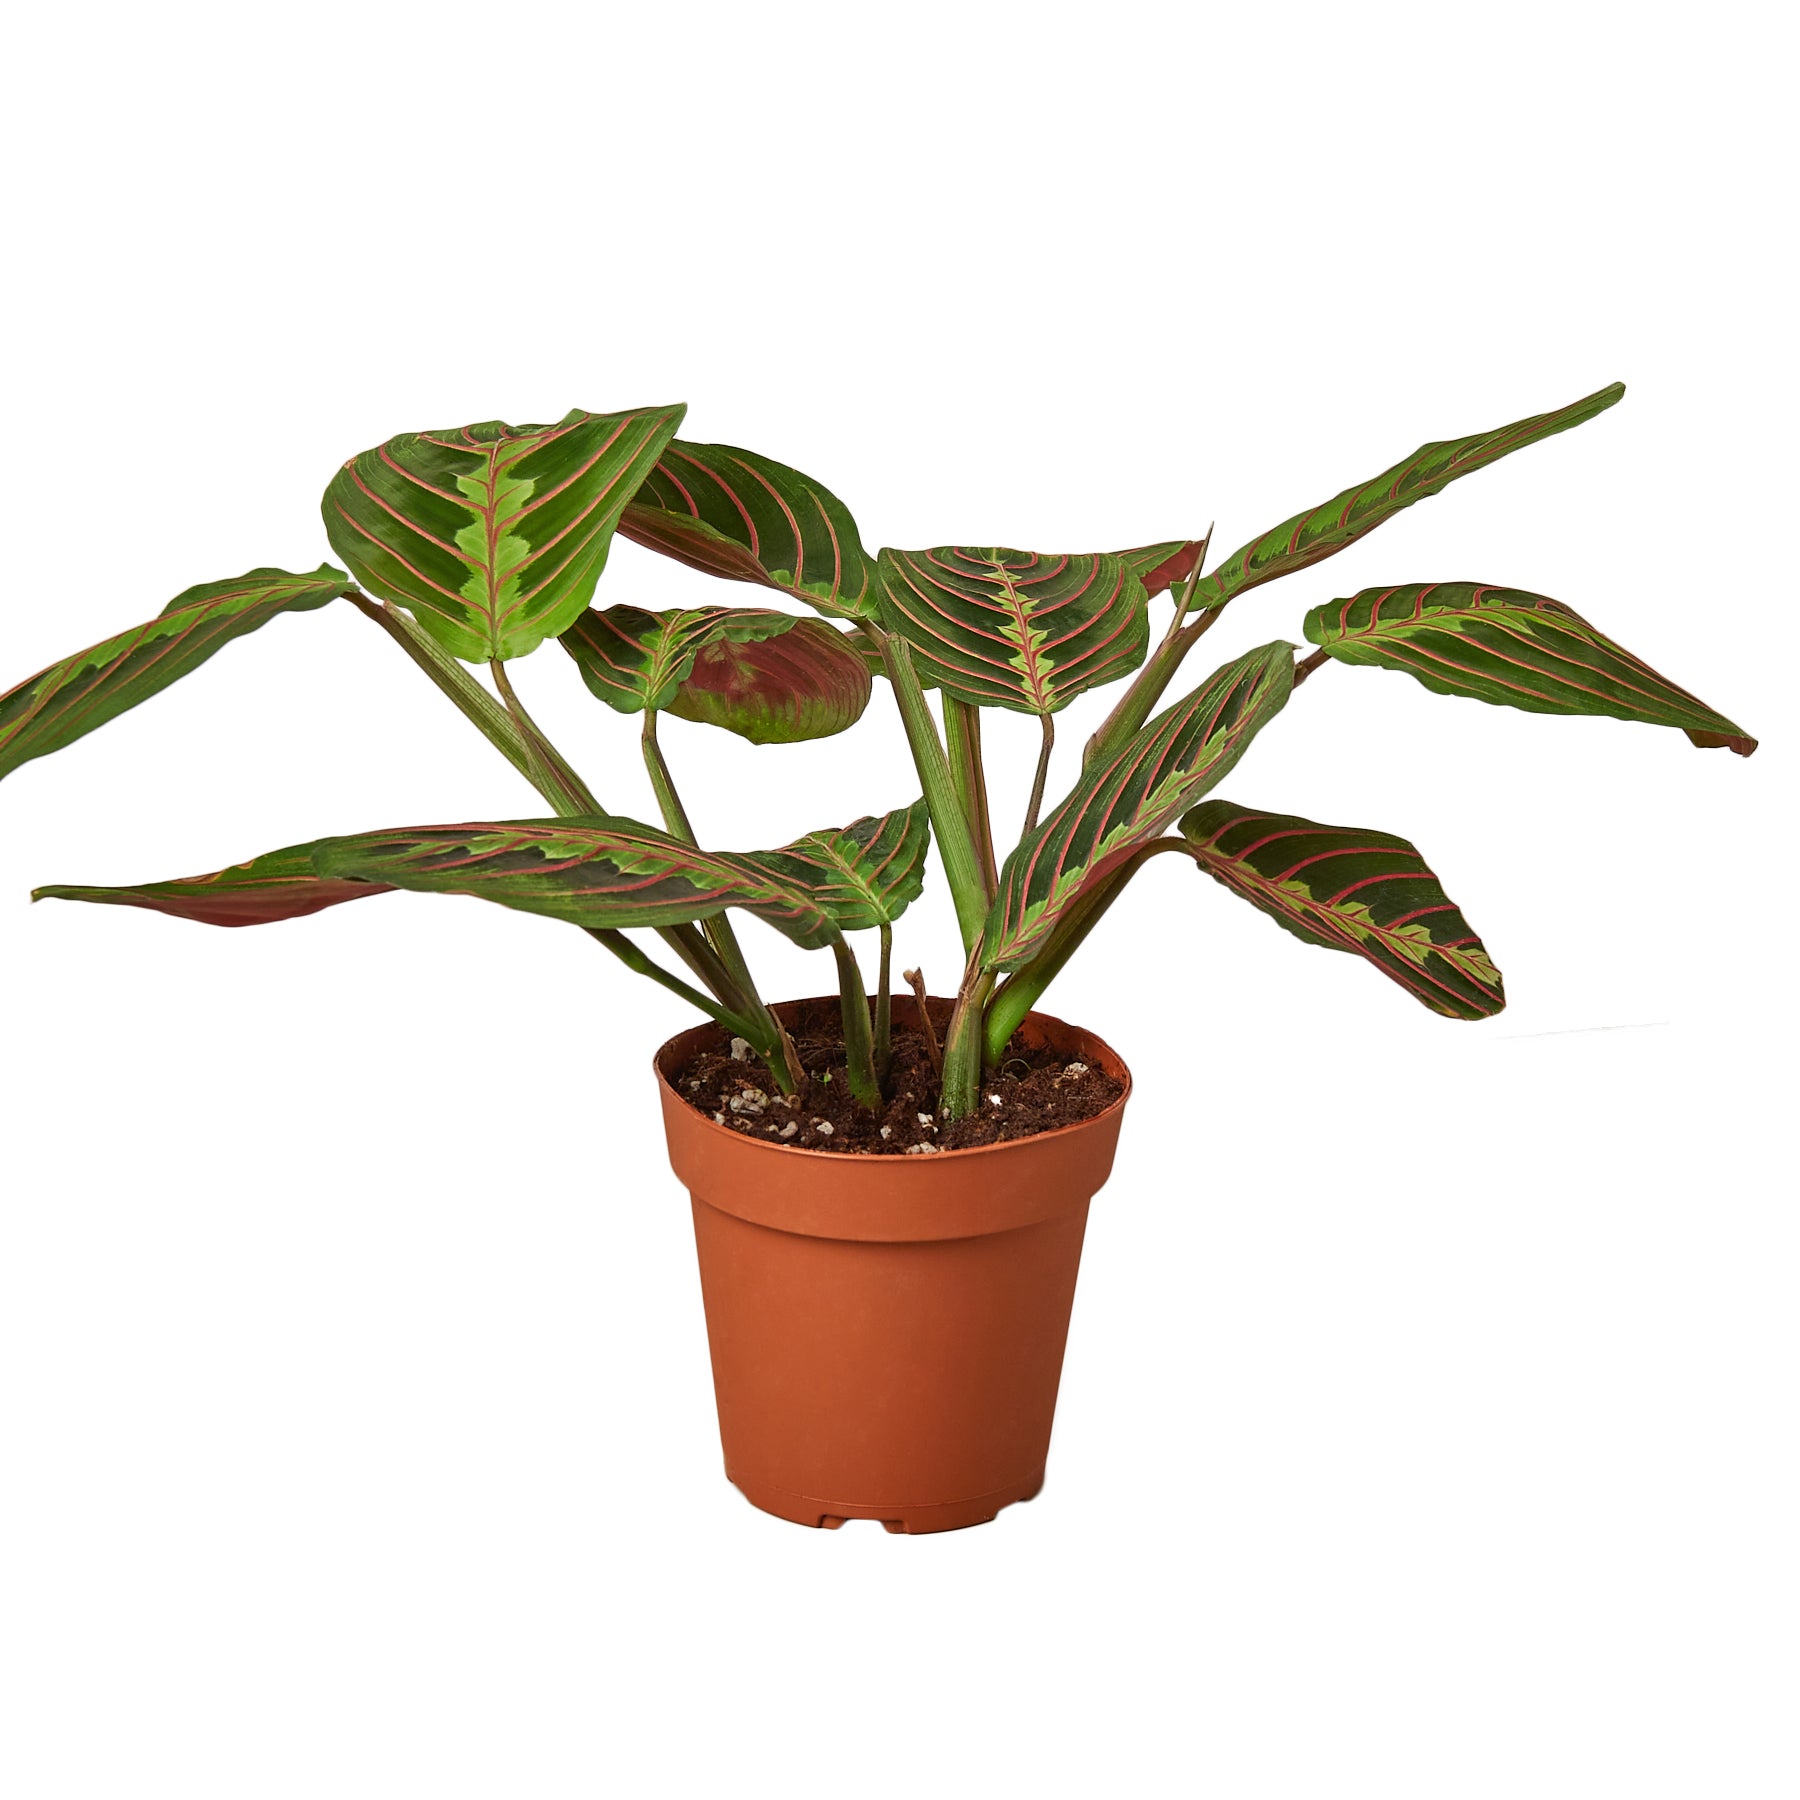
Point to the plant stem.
(884, 1005)
(956, 844)
(555, 772)
(468, 695)
(859, 1048)
(963, 1043)
(1025, 986)
(1306, 665)
(1048, 722)
(662, 783)
(633, 958)
(1152, 679)
(962, 736)
(915, 979)
(675, 821)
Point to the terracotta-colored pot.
(887, 1331)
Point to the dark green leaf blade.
(1310, 537)
(732, 513)
(282, 884)
(636, 660)
(1132, 796)
(863, 874)
(598, 871)
(1365, 892)
(1009, 628)
(1510, 648)
(492, 535)
(71, 698)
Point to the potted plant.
(888, 1192)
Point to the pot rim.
(901, 1004)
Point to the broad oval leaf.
(1511, 649)
(863, 874)
(69, 699)
(780, 687)
(745, 517)
(492, 535)
(997, 627)
(282, 884)
(1310, 537)
(769, 676)
(1366, 892)
(1132, 796)
(598, 871)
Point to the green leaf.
(1345, 889)
(745, 517)
(1310, 537)
(283, 884)
(70, 698)
(1510, 649)
(864, 874)
(598, 871)
(1132, 796)
(779, 687)
(996, 627)
(768, 676)
(493, 536)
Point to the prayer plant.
(475, 546)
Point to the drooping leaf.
(1310, 537)
(769, 676)
(1160, 566)
(70, 698)
(599, 871)
(1362, 891)
(1511, 649)
(996, 627)
(493, 535)
(1132, 796)
(865, 873)
(780, 687)
(745, 517)
(283, 884)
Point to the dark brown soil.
(1033, 1090)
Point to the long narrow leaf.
(1009, 628)
(746, 517)
(70, 698)
(1310, 537)
(492, 535)
(1131, 797)
(1362, 891)
(283, 884)
(1510, 648)
(863, 874)
(598, 871)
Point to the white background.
(1428, 1426)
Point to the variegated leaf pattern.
(1366, 892)
(1160, 566)
(1510, 648)
(634, 659)
(863, 874)
(1132, 796)
(599, 871)
(746, 517)
(492, 535)
(777, 688)
(282, 884)
(1010, 628)
(1310, 537)
(70, 698)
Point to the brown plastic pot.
(887, 1331)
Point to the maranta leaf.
(863, 874)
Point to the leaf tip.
(1736, 742)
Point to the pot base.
(914, 1521)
